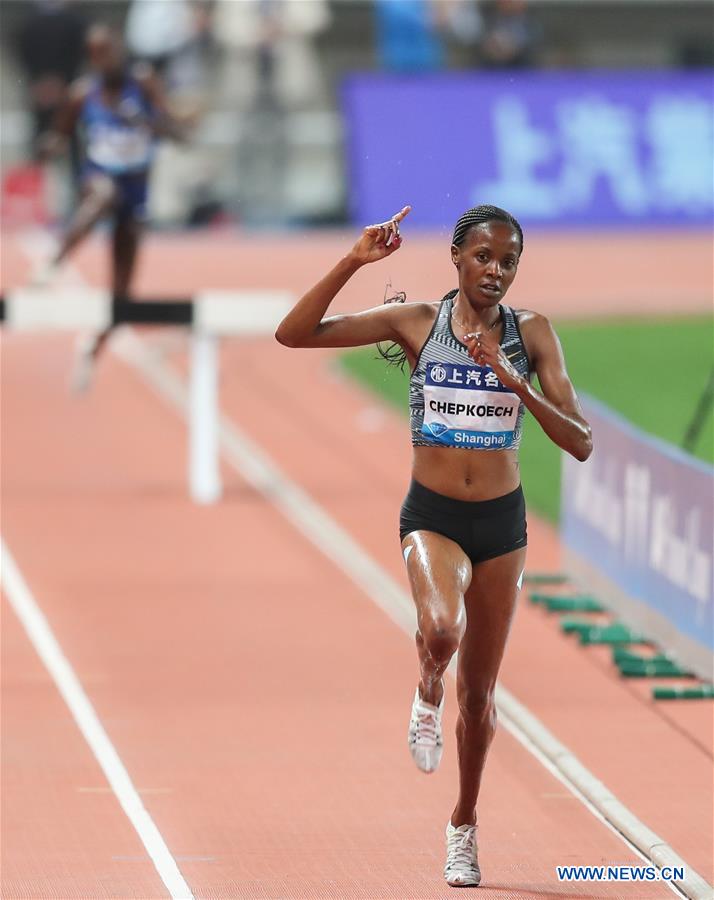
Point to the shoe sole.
(463, 884)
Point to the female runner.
(463, 523)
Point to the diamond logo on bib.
(437, 428)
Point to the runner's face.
(487, 262)
(105, 55)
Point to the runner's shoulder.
(536, 330)
(530, 317)
(79, 89)
(415, 313)
(425, 309)
(533, 323)
(412, 310)
(143, 72)
(413, 322)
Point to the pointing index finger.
(404, 211)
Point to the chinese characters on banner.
(554, 148)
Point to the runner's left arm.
(165, 123)
(557, 409)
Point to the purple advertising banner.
(554, 148)
(642, 513)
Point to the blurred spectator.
(462, 21)
(51, 44)
(269, 51)
(408, 35)
(511, 37)
(413, 35)
(271, 72)
(170, 36)
(167, 34)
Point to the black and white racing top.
(453, 402)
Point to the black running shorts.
(483, 529)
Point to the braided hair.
(477, 215)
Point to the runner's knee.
(441, 635)
(477, 702)
(103, 195)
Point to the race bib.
(467, 406)
(116, 148)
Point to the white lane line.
(312, 521)
(48, 649)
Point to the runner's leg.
(490, 603)
(125, 245)
(439, 573)
(98, 199)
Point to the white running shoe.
(44, 273)
(425, 741)
(83, 368)
(461, 869)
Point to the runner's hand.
(379, 241)
(486, 351)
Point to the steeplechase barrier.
(209, 315)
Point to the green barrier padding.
(562, 603)
(576, 626)
(590, 633)
(701, 692)
(545, 578)
(623, 654)
(610, 634)
(651, 668)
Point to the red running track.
(257, 697)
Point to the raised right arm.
(306, 325)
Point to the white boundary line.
(312, 521)
(48, 649)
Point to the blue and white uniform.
(454, 402)
(119, 142)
